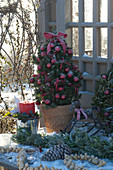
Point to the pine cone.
(56, 152)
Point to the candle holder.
(31, 159)
(34, 125)
(27, 106)
(31, 124)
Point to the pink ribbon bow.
(49, 35)
(64, 62)
(56, 83)
(44, 94)
(79, 111)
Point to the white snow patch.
(85, 55)
(85, 74)
(59, 163)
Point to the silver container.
(33, 124)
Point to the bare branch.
(7, 55)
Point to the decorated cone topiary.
(103, 98)
(58, 80)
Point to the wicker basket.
(56, 118)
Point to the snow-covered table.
(8, 160)
(5, 141)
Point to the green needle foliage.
(58, 80)
(78, 141)
(24, 117)
(103, 99)
(25, 137)
(81, 142)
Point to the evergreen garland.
(24, 136)
(79, 142)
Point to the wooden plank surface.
(7, 165)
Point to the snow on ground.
(10, 96)
(5, 140)
(57, 164)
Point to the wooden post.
(60, 15)
(44, 17)
(41, 20)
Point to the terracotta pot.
(56, 118)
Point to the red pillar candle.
(27, 106)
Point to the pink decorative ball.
(57, 80)
(57, 49)
(76, 79)
(55, 83)
(69, 84)
(37, 102)
(66, 69)
(51, 55)
(62, 76)
(75, 67)
(42, 48)
(53, 61)
(70, 74)
(103, 76)
(70, 51)
(106, 123)
(47, 84)
(31, 80)
(34, 75)
(38, 59)
(43, 53)
(63, 96)
(60, 88)
(106, 114)
(49, 65)
(41, 89)
(38, 82)
(47, 101)
(57, 96)
(51, 45)
(39, 67)
(106, 92)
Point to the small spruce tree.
(103, 98)
(58, 79)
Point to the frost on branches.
(57, 80)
